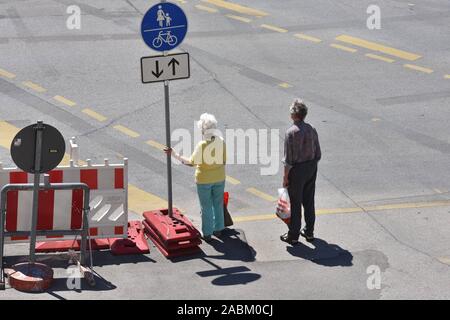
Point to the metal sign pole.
(37, 167)
(168, 144)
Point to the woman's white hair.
(207, 124)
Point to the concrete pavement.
(378, 99)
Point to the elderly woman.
(209, 159)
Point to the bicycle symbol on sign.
(166, 37)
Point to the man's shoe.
(308, 237)
(286, 238)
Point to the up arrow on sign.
(162, 68)
(173, 62)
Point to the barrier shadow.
(322, 253)
(232, 245)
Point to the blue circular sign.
(164, 26)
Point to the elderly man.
(301, 155)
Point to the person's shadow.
(323, 253)
(232, 245)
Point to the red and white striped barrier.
(62, 209)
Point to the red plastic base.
(174, 236)
(66, 245)
(134, 244)
(169, 253)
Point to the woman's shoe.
(217, 234)
(207, 238)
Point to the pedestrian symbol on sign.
(164, 26)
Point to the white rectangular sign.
(162, 68)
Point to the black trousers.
(302, 187)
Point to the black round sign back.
(23, 148)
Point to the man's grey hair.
(299, 108)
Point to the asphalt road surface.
(378, 98)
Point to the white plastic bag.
(283, 210)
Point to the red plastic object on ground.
(134, 244)
(173, 236)
(30, 277)
(66, 245)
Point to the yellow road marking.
(140, 200)
(418, 68)
(441, 259)
(95, 115)
(232, 180)
(126, 131)
(65, 101)
(378, 47)
(447, 76)
(307, 38)
(205, 8)
(7, 74)
(239, 18)
(155, 144)
(377, 57)
(261, 194)
(34, 86)
(344, 48)
(237, 8)
(413, 205)
(285, 85)
(7, 134)
(273, 28)
(181, 1)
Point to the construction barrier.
(62, 209)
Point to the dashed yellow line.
(418, 68)
(377, 57)
(65, 101)
(97, 116)
(261, 194)
(412, 205)
(343, 48)
(441, 259)
(155, 144)
(140, 200)
(307, 38)
(126, 131)
(7, 74)
(285, 85)
(8, 132)
(273, 28)
(378, 47)
(34, 86)
(239, 18)
(447, 76)
(237, 8)
(232, 180)
(205, 8)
